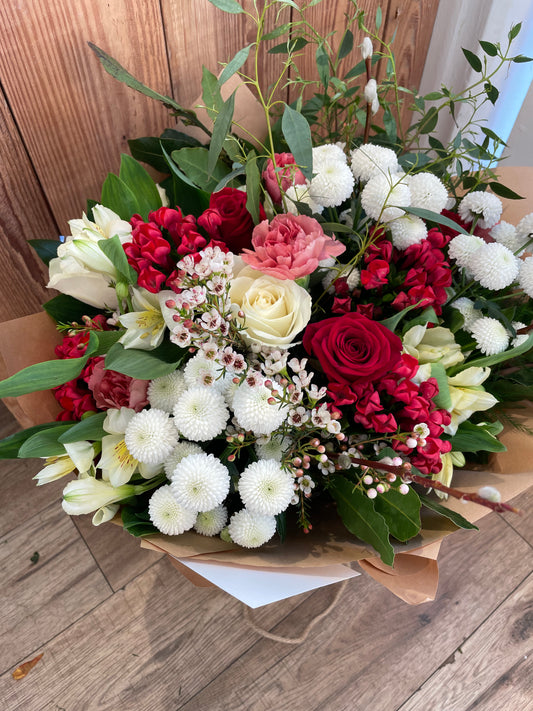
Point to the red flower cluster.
(228, 221)
(149, 252)
(75, 397)
(420, 272)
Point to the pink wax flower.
(288, 175)
(290, 247)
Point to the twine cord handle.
(296, 640)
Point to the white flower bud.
(367, 50)
(371, 91)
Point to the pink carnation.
(290, 247)
(115, 390)
(289, 175)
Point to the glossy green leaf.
(429, 122)
(443, 400)
(473, 60)
(148, 149)
(145, 365)
(46, 375)
(112, 248)
(193, 162)
(360, 517)
(10, 446)
(135, 518)
(474, 438)
(513, 32)
(489, 48)
(504, 192)
(66, 309)
(453, 516)
(401, 513)
(435, 217)
(44, 444)
(46, 249)
(141, 184)
(290, 46)
(298, 136)
(521, 59)
(117, 196)
(90, 429)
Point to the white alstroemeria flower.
(432, 345)
(445, 475)
(81, 269)
(79, 455)
(145, 325)
(84, 496)
(105, 513)
(468, 396)
(116, 462)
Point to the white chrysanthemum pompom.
(274, 448)
(407, 230)
(210, 523)
(493, 266)
(201, 414)
(462, 247)
(427, 192)
(486, 206)
(506, 234)
(265, 488)
(490, 335)
(167, 515)
(200, 482)
(203, 372)
(324, 154)
(369, 160)
(180, 451)
(465, 306)
(163, 393)
(490, 494)
(525, 277)
(301, 193)
(382, 191)
(525, 226)
(333, 183)
(251, 530)
(254, 412)
(150, 436)
(520, 337)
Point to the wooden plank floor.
(120, 629)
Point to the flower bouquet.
(295, 336)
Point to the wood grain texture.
(197, 34)
(40, 600)
(74, 119)
(24, 212)
(493, 669)
(412, 21)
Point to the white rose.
(275, 310)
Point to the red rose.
(228, 220)
(352, 348)
(111, 389)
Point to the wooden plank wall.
(64, 122)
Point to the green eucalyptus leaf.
(504, 192)
(253, 187)
(360, 517)
(230, 6)
(234, 65)
(211, 95)
(193, 162)
(290, 46)
(435, 217)
(322, 65)
(221, 128)
(298, 136)
(346, 45)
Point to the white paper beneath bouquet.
(257, 586)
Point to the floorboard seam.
(399, 708)
(514, 529)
